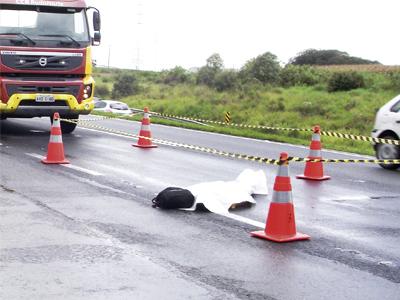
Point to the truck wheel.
(66, 127)
(387, 151)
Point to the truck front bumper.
(25, 106)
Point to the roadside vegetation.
(338, 95)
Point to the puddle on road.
(352, 198)
(6, 189)
(366, 257)
(357, 180)
(361, 198)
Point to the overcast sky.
(161, 34)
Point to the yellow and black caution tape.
(99, 118)
(324, 133)
(228, 123)
(360, 138)
(181, 145)
(258, 159)
(352, 161)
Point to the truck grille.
(48, 62)
(41, 77)
(38, 104)
(31, 89)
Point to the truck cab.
(45, 59)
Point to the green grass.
(296, 107)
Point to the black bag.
(174, 197)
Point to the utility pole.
(139, 22)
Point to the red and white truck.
(45, 58)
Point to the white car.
(387, 126)
(112, 106)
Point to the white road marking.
(96, 184)
(352, 198)
(109, 133)
(36, 131)
(84, 170)
(35, 155)
(242, 219)
(80, 169)
(136, 176)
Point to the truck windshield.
(62, 25)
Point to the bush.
(101, 91)
(226, 80)
(394, 80)
(328, 57)
(308, 108)
(175, 76)
(276, 105)
(345, 81)
(125, 85)
(350, 104)
(206, 76)
(292, 75)
(265, 68)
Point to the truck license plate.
(45, 98)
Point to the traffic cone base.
(143, 142)
(46, 161)
(280, 238)
(313, 178)
(144, 146)
(55, 154)
(314, 171)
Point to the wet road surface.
(88, 231)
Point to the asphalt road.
(88, 230)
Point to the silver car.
(387, 126)
(112, 106)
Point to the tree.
(215, 62)
(125, 85)
(328, 57)
(225, 80)
(207, 74)
(102, 91)
(292, 75)
(345, 81)
(265, 68)
(175, 76)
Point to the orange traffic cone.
(281, 225)
(55, 149)
(314, 170)
(145, 133)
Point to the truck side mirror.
(96, 38)
(96, 21)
